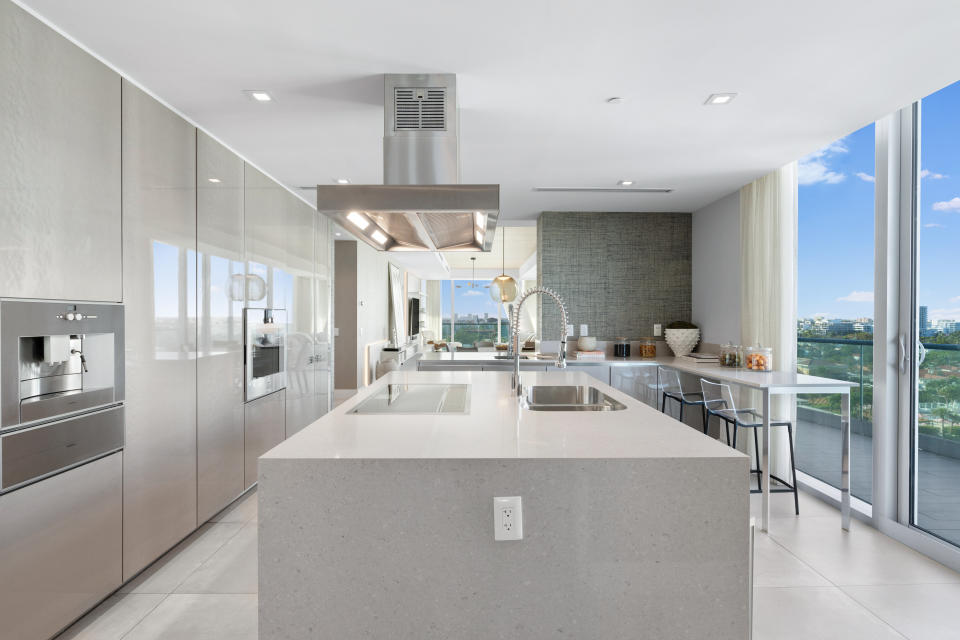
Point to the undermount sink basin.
(568, 398)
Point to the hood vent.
(420, 109)
(421, 205)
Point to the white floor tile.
(862, 556)
(774, 566)
(113, 618)
(919, 611)
(200, 617)
(814, 613)
(165, 574)
(781, 506)
(242, 510)
(232, 569)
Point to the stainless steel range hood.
(421, 206)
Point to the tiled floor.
(813, 582)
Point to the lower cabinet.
(637, 381)
(60, 548)
(599, 371)
(264, 426)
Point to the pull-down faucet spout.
(515, 331)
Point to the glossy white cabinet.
(637, 381)
(263, 430)
(60, 548)
(160, 295)
(323, 317)
(59, 166)
(219, 327)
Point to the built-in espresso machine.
(61, 387)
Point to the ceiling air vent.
(420, 109)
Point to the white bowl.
(682, 341)
(587, 343)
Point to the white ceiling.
(533, 78)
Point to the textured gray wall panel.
(619, 272)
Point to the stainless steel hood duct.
(421, 206)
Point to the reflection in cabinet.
(323, 317)
(599, 371)
(264, 428)
(59, 166)
(159, 291)
(219, 327)
(61, 548)
(637, 381)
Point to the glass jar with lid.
(621, 348)
(760, 358)
(648, 347)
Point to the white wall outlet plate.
(569, 330)
(657, 329)
(507, 518)
(583, 330)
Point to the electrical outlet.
(657, 329)
(583, 330)
(569, 330)
(507, 518)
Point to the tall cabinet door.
(301, 381)
(59, 166)
(159, 291)
(220, 291)
(323, 317)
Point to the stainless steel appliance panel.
(221, 290)
(264, 427)
(159, 290)
(32, 389)
(61, 548)
(30, 454)
(59, 168)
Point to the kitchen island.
(381, 525)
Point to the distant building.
(924, 319)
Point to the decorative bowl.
(587, 343)
(682, 341)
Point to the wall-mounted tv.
(414, 316)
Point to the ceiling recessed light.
(214, 180)
(358, 220)
(378, 236)
(259, 95)
(615, 100)
(720, 98)
(625, 183)
(342, 181)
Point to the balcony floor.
(818, 447)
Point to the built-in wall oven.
(264, 354)
(61, 387)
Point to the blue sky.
(836, 218)
(469, 300)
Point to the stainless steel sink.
(568, 398)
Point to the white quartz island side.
(382, 525)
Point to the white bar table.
(771, 383)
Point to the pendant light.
(503, 289)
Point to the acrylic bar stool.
(669, 381)
(718, 400)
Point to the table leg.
(765, 465)
(845, 461)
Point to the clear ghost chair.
(670, 388)
(718, 400)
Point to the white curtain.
(768, 278)
(434, 305)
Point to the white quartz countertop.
(489, 357)
(496, 427)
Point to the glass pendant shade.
(503, 289)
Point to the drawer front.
(33, 453)
(61, 548)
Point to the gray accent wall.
(620, 273)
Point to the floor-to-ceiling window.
(835, 304)
(936, 410)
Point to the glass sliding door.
(933, 375)
(835, 304)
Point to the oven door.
(264, 355)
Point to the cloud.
(857, 296)
(926, 173)
(947, 205)
(933, 225)
(866, 177)
(944, 314)
(813, 168)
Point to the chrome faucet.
(515, 331)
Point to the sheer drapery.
(434, 305)
(768, 280)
